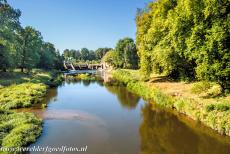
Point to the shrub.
(200, 87)
(215, 90)
(206, 88)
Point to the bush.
(200, 87)
(207, 89)
(215, 90)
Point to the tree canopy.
(23, 47)
(185, 39)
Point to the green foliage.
(18, 129)
(109, 58)
(22, 95)
(49, 57)
(127, 53)
(23, 47)
(51, 78)
(85, 55)
(185, 39)
(200, 87)
(215, 90)
(31, 42)
(100, 52)
(9, 23)
(124, 55)
(206, 88)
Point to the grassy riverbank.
(200, 101)
(20, 90)
(49, 78)
(18, 129)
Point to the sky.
(74, 24)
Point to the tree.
(67, 53)
(84, 54)
(9, 23)
(47, 56)
(31, 43)
(76, 54)
(100, 52)
(58, 61)
(127, 53)
(92, 55)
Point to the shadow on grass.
(9, 78)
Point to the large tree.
(127, 53)
(9, 23)
(47, 56)
(31, 43)
(85, 54)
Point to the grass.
(18, 129)
(49, 78)
(20, 90)
(212, 110)
(22, 95)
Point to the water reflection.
(126, 99)
(163, 133)
(51, 95)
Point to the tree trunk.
(22, 69)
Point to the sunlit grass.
(21, 95)
(18, 129)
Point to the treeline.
(124, 55)
(185, 39)
(85, 54)
(24, 48)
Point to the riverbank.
(200, 101)
(21, 90)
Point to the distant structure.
(70, 66)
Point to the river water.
(111, 120)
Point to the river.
(111, 120)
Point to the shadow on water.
(163, 133)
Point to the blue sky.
(75, 24)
